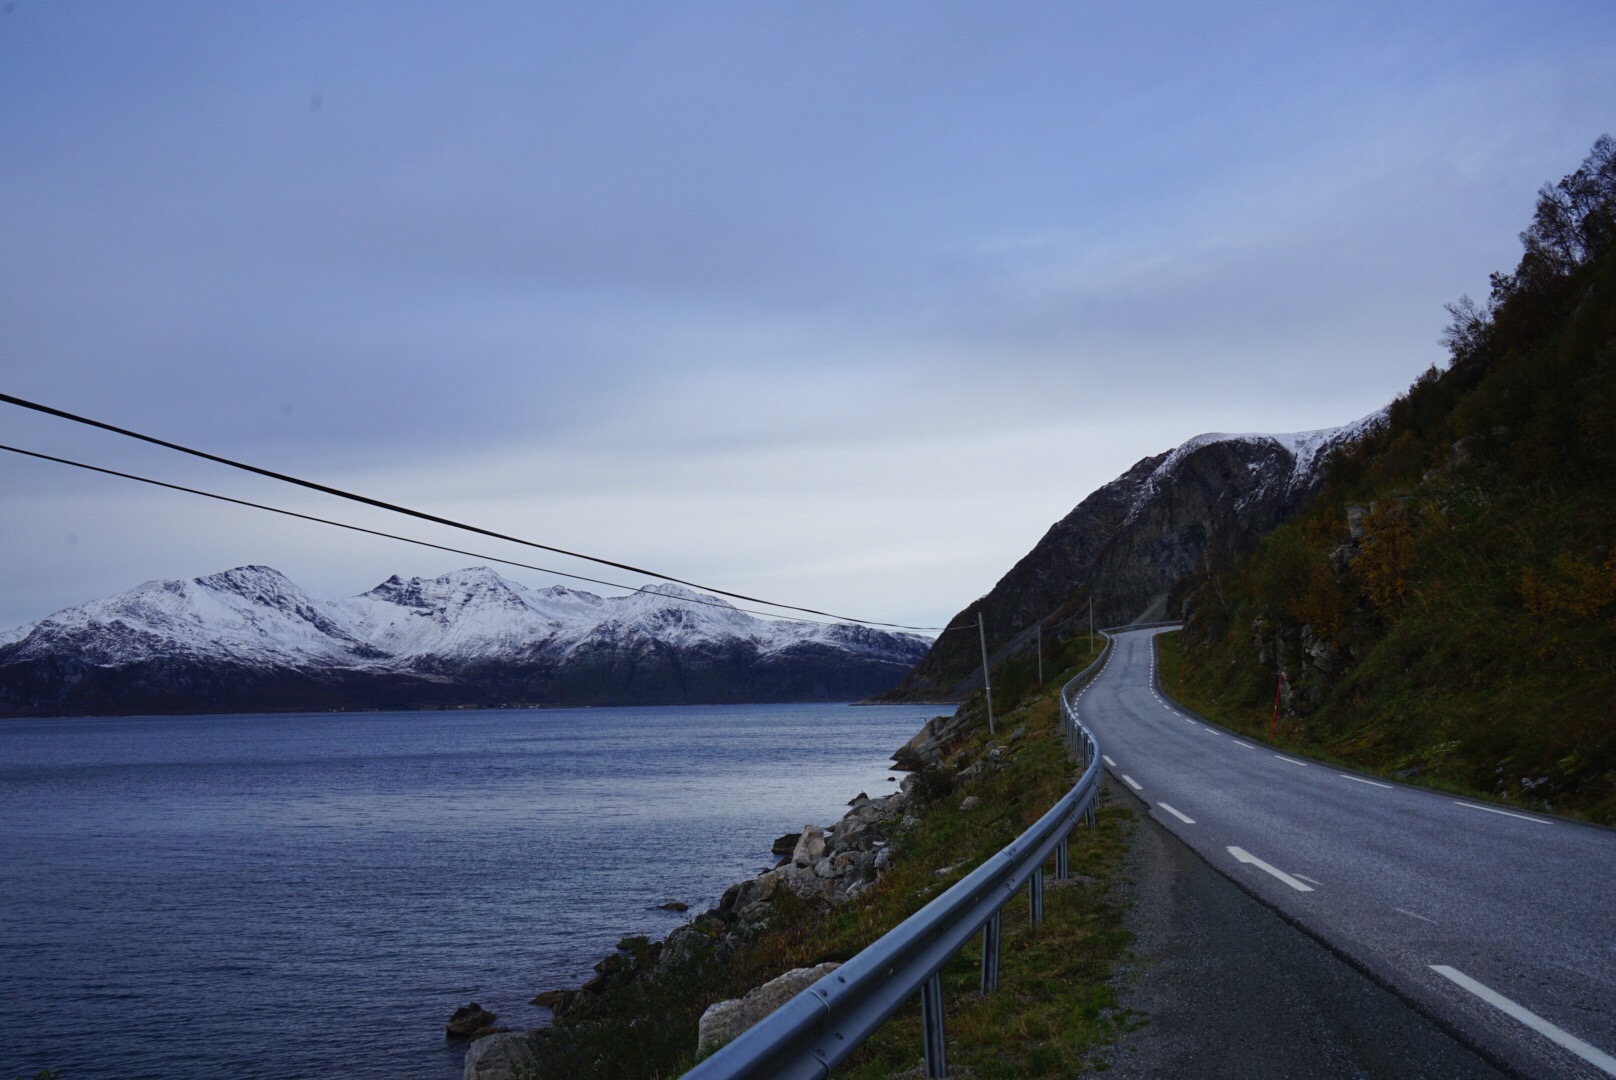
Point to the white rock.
(498, 1057)
(724, 1021)
(810, 846)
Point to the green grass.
(1422, 751)
(1055, 1006)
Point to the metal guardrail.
(815, 1031)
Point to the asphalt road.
(1498, 925)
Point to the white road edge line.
(1108, 760)
(1291, 761)
(1247, 745)
(1595, 1057)
(1188, 721)
(1180, 816)
(1361, 780)
(1410, 914)
(1242, 855)
(1132, 782)
(1506, 813)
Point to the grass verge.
(1188, 683)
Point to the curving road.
(1499, 925)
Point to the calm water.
(312, 895)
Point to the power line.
(423, 515)
(405, 539)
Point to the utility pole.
(981, 632)
(1040, 654)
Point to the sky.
(841, 305)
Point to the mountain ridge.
(227, 640)
(1131, 543)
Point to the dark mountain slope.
(1446, 608)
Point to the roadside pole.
(981, 632)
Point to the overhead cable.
(424, 516)
(407, 539)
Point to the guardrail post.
(931, 1027)
(990, 955)
(1062, 869)
(1035, 896)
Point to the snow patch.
(1308, 452)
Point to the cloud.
(847, 303)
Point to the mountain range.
(249, 639)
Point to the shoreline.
(819, 865)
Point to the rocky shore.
(826, 867)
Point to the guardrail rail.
(815, 1031)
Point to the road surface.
(1500, 925)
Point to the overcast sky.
(841, 304)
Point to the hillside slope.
(1129, 545)
(1446, 608)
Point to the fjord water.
(303, 895)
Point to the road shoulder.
(1225, 988)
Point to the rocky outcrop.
(827, 865)
(467, 1020)
(931, 743)
(724, 1021)
(1129, 545)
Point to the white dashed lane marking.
(1242, 855)
(1180, 816)
(1411, 915)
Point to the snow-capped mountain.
(251, 639)
(1131, 542)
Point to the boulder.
(786, 844)
(726, 1020)
(971, 803)
(502, 1056)
(810, 846)
(467, 1019)
(685, 946)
